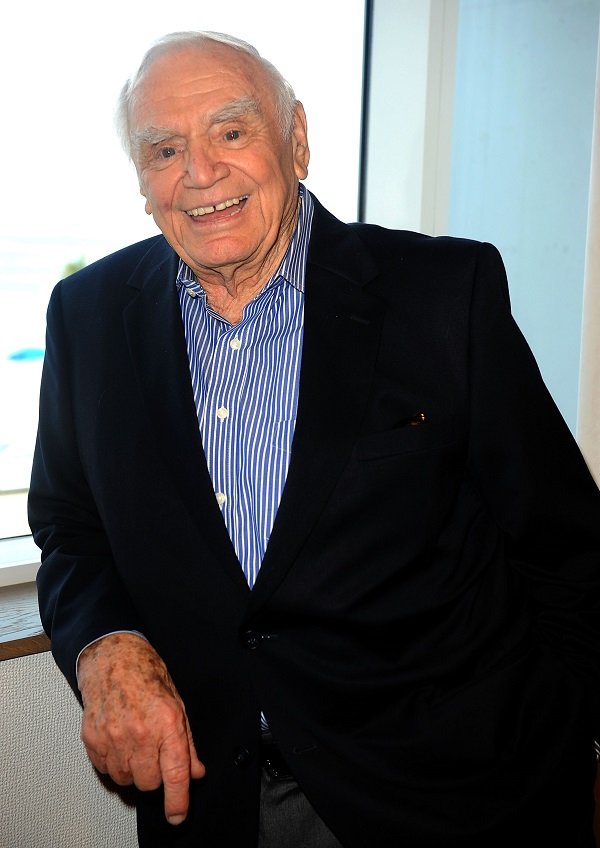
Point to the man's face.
(218, 178)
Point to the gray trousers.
(288, 820)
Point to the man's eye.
(166, 152)
(232, 135)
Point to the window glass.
(523, 119)
(70, 196)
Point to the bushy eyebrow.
(232, 111)
(151, 135)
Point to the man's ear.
(301, 151)
(147, 205)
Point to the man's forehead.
(183, 65)
(222, 87)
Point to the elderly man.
(319, 553)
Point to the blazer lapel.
(156, 340)
(342, 325)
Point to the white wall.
(50, 796)
(397, 113)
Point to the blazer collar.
(337, 248)
(342, 326)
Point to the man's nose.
(204, 166)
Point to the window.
(480, 126)
(70, 196)
(521, 154)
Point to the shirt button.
(222, 413)
(221, 498)
(241, 757)
(235, 344)
(191, 292)
(251, 639)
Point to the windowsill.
(21, 630)
(19, 560)
(20, 627)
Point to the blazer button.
(251, 639)
(241, 757)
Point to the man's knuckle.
(177, 774)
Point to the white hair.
(283, 93)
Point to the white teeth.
(206, 210)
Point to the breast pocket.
(410, 435)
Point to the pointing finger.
(175, 767)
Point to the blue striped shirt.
(245, 382)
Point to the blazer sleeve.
(532, 475)
(80, 595)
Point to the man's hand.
(134, 724)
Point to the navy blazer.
(424, 632)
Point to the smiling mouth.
(220, 207)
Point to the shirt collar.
(293, 265)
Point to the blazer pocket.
(404, 439)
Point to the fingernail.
(175, 819)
